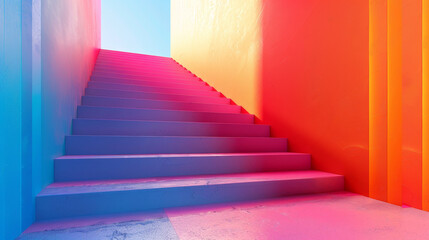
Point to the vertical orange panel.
(378, 99)
(394, 101)
(412, 103)
(425, 83)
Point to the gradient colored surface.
(396, 102)
(181, 156)
(425, 104)
(47, 53)
(220, 49)
(315, 82)
(293, 65)
(324, 216)
(136, 26)
(11, 122)
(342, 80)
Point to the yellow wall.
(220, 42)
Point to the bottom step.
(72, 199)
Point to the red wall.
(314, 85)
(346, 81)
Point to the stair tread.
(67, 188)
(198, 88)
(213, 95)
(160, 101)
(151, 81)
(125, 121)
(151, 89)
(166, 128)
(114, 93)
(159, 104)
(168, 110)
(175, 155)
(109, 112)
(187, 81)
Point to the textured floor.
(324, 216)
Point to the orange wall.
(378, 99)
(396, 101)
(342, 80)
(425, 104)
(412, 103)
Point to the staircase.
(151, 135)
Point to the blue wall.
(47, 52)
(140, 26)
(11, 138)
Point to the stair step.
(111, 145)
(142, 74)
(154, 80)
(99, 167)
(155, 96)
(60, 200)
(167, 128)
(161, 115)
(129, 87)
(104, 53)
(195, 85)
(143, 67)
(130, 58)
(158, 104)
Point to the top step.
(111, 53)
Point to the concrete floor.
(324, 216)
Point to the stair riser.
(152, 69)
(141, 68)
(74, 205)
(196, 86)
(161, 115)
(153, 104)
(111, 145)
(84, 169)
(188, 81)
(131, 59)
(136, 70)
(143, 75)
(141, 128)
(155, 96)
(128, 87)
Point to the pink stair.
(151, 135)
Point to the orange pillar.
(378, 99)
(425, 107)
(394, 101)
(412, 103)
